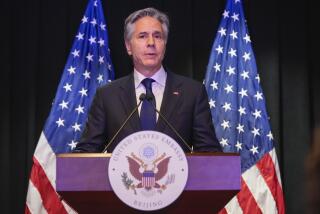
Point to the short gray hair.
(151, 12)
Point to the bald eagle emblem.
(148, 174)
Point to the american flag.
(239, 115)
(88, 67)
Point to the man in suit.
(181, 100)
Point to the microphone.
(150, 98)
(141, 98)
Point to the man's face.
(147, 45)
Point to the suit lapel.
(171, 97)
(129, 102)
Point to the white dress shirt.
(158, 86)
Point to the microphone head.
(142, 96)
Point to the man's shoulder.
(187, 81)
(115, 84)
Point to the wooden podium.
(82, 181)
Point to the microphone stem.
(123, 124)
(174, 130)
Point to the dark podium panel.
(82, 181)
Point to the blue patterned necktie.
(147, 113)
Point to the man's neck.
(148, 72)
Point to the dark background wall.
(36, 38)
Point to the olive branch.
(128, 183)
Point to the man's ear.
(128, 47)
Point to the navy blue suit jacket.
(184, 104)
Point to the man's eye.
(142, 36)
(158, 36)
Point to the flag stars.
(76, 127)
(238, 146)
(102, 26)
(232, 52)
(243, 93)
(228, 88)
(270, 136)
(75, 53)
(83, 92)
(73, 144)
(240, 128)
(101, 42)
(235, 17)
(242, 110)
(255, 132)
(212, 103)
(67, 87)
(64, 104)
(89, 57)
(226, 107)
(93, 22)
(109, 66)
(256, 113)
(84, 19)
(72, 70)
(231, 71)
(95, 3)
(214, 85)
(225, 124)
(92, 40)
(101, 60)
(219, 49)
(246, 56)
(258, 96)
(258, 78)
(236, 1)
(224, 142)
(80, 36)
(245, 75)
(100, 78)
(225, 14)
(80, 109)
(222, 31)
(247, 38)
(60, 122)
(217, 67)
(86, 74)
(254, 149)
(234, 35)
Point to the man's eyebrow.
(154, 32)
(157, 32)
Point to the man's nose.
(150, 41)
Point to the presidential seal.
(148, 170)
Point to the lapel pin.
(176, 93)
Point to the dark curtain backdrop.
(36, 38)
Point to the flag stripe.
(273, 156)
(46, 158)
(223, 211)
(259, 189)
(34, 203)
(51, 201)
(267, 170)
(233, 206)
(47, 161)
(27, 211)
(246, 200)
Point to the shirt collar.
(159, 77)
